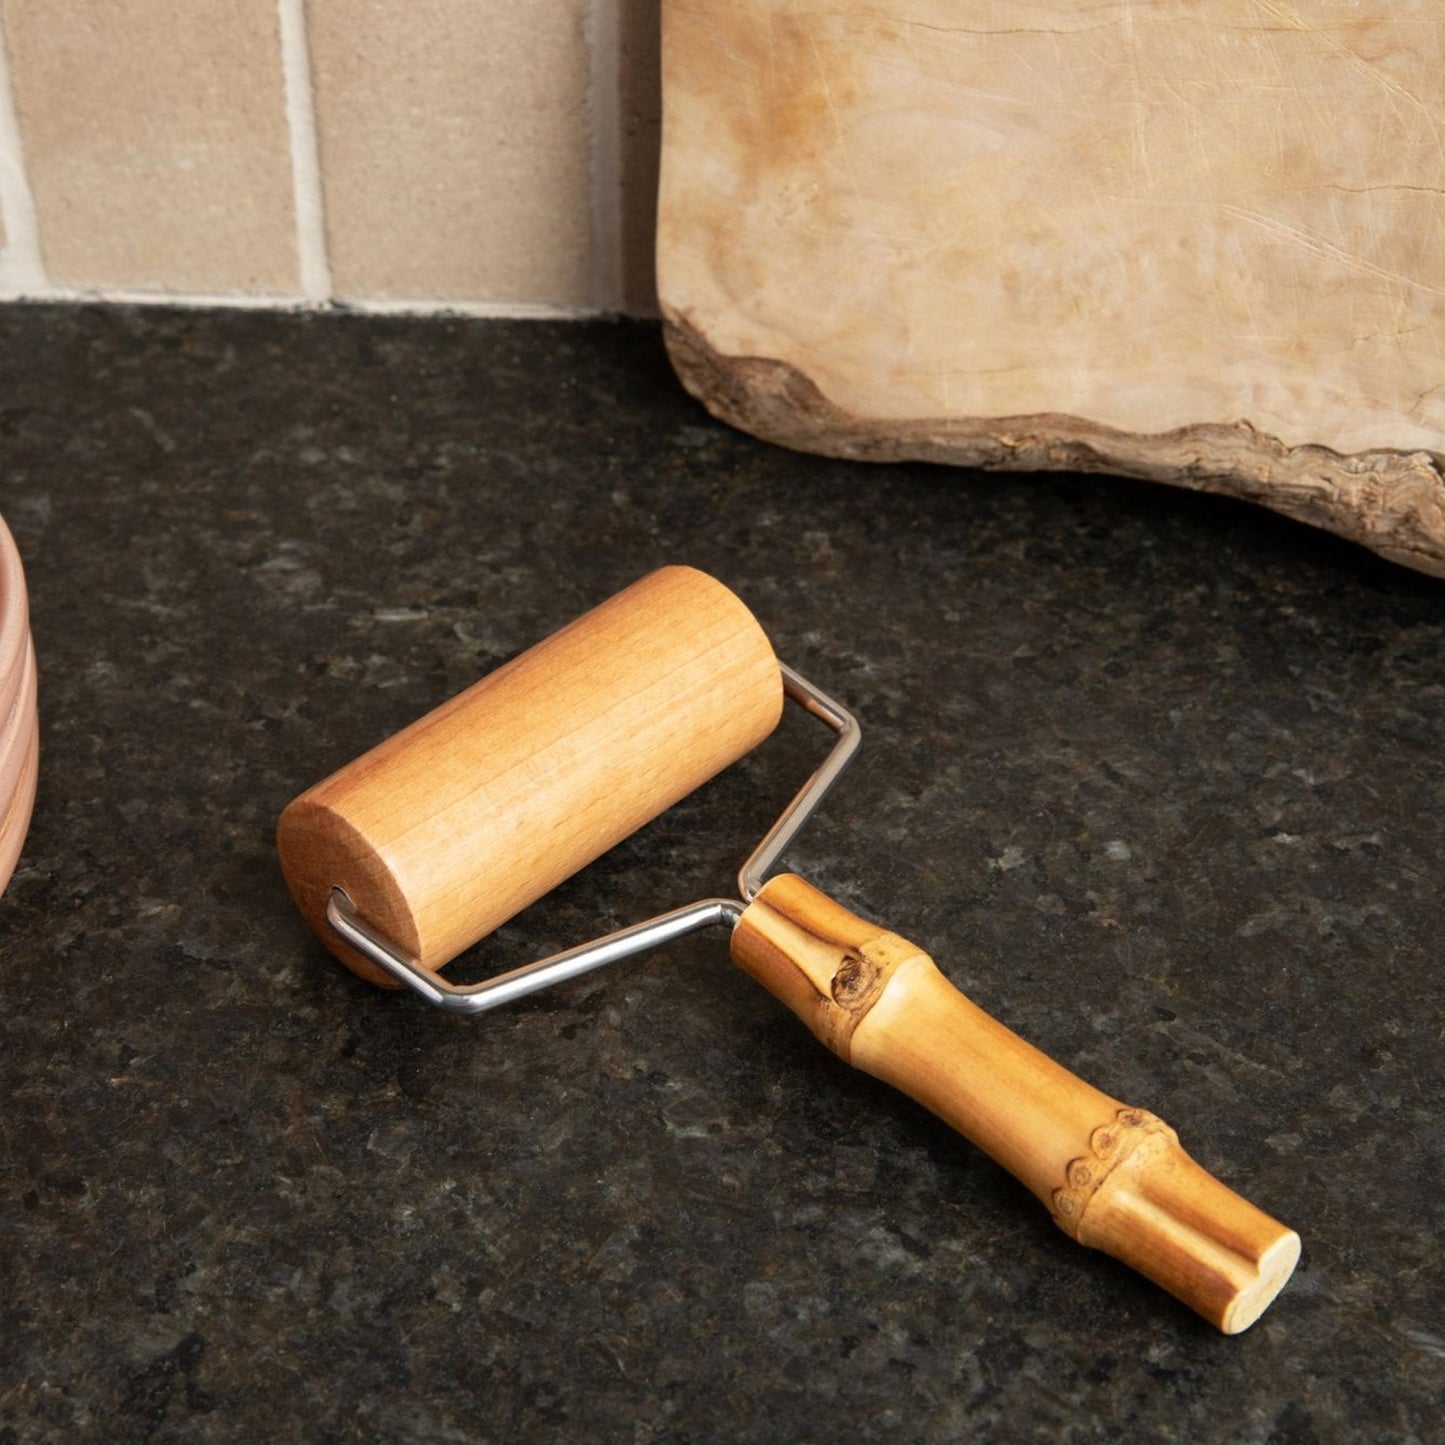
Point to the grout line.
(479, 310)
(22, 272)
(311, 254)
(482, 310)
(604, 118)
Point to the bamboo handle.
(1113, 1177)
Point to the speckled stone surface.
(1157, 778)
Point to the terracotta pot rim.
(19, 722)
(14, 619)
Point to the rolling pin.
(414, 852)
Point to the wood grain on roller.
(447, 829)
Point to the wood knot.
(854, 981)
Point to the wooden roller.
(446, 830)
(458, 822)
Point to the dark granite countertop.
(1158, 779)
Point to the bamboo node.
(1109, 1146)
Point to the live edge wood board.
(1203, 245)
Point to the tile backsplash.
(449, 154)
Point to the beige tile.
(641, 111)
(454, 148)
(156, 142)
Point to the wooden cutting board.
(1201, 244)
